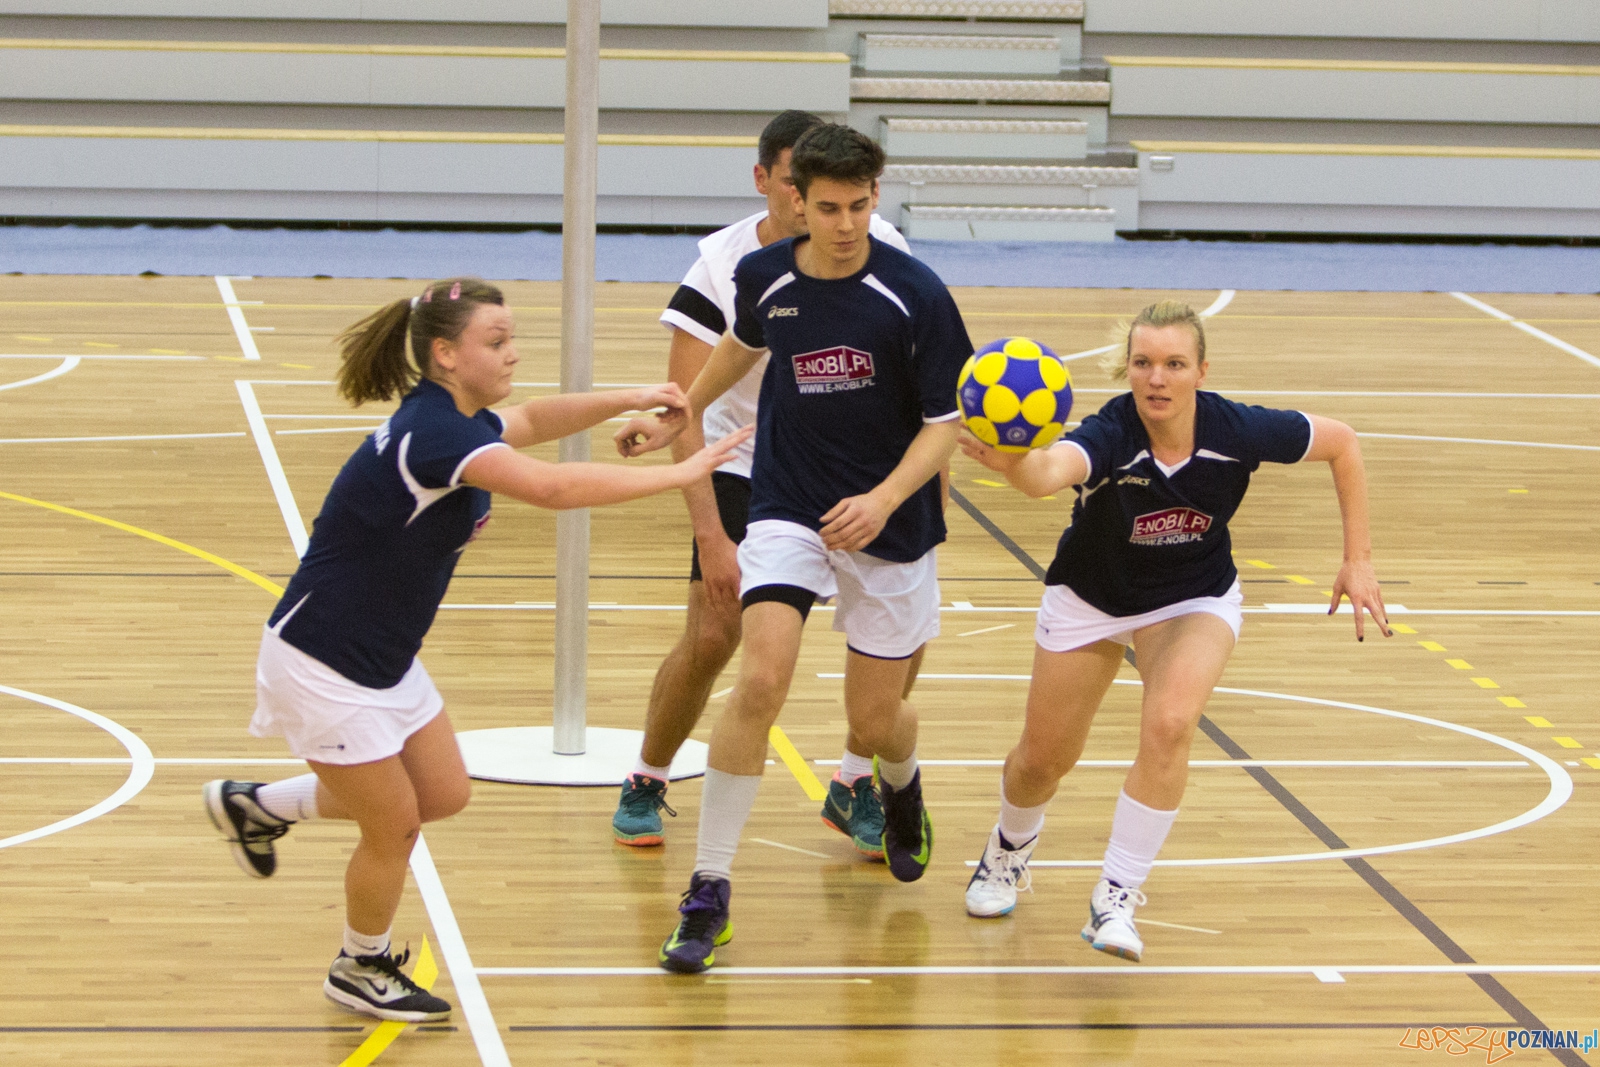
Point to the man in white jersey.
(700, 312)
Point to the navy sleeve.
(1276, 435)
(747, 326)
(438, 449)
(942, 347)
(1098, 435)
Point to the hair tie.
(455, 291)
(414, 301)
(427, 295)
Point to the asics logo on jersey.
(1132, 479)
(833, 370)
(783, 313)
(1171, 526)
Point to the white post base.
(526, 755)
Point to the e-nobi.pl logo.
(1172, 526)
(833, 370)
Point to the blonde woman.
(337, 675)
(1159, 471)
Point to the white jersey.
(703, 308)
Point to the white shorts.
(887, 610)
(326, 717)
(1067, 621)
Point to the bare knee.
(1039, 765)
(444, 801)
(1165, 739)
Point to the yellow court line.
(380, 1039)
(796, 764)
(248, 575)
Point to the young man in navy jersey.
(856, 417)
(699, 313)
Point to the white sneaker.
(1000, 874)
(1110, 927)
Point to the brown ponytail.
(374, 364)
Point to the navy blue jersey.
(858, 365)
(1143, 537)
(386, 541)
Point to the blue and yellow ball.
(1015, 394)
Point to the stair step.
(1009, 174)
(985, 138)
(987, 90)
(956, 222)
(941, 53)
(1013, 10)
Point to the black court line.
(1386, 889)
(998, 534)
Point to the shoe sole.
(690, 966)
(1007, 910)
(212, 793)
(1110, 949)
(860, 846)
(356, 1005)
(637, 840)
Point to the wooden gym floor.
(132, 939)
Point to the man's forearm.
(928, 453)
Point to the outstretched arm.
(855, 522)
(582, 485)
(729, 362)
(550, 418)
(1038, 471)
(1335, 444)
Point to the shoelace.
(648, 797)
(1014, 871)
(697, 921)
(868, 810)
(390, 966)
(1123, 900)
(256, 834)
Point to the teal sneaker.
(907, 831)
(638, 818)
(702, 927)
(857, 813)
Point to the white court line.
(269, 459)
(122, 437)
(1531, 331)
(20, 355)
(453, 947)
(1479, 441)
(1215, 763)
(141, 768)
(791, 848)
(1268, 609)
(172, 761)
(241, 328)
(1223, 299)
(1127, 970)
(332, 429)
(67, 364)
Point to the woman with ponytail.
(337, 675)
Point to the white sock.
(725, 805)
(1137, 834)
(1018, 826)
(898, 775)
(661, 773)
(852, 766)
(359, 944)
(292, 800)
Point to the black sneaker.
(704, 925)
(907, 832)
(375, 985)
(240, 818)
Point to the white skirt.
(1067, 621)
(327, 718)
